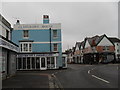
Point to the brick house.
(98, 49)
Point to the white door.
(43, 63)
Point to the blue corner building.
(40, 45)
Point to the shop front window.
(38, 63)
(24, 63)
(48, 62)
(33, 63)
(28, 62)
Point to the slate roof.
(94, 41)
(80, 44)
(113, 39)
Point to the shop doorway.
(43, 63)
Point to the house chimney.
(18, 22)
(93, 42)
(45, 19)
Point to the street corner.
(54, 83)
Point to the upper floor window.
(118, 50)
(106, 48)
(7, 34)
(54, 33)
(55, 47)
(25, 33)
(25, 47)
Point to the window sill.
(55, 37)
(25, 37)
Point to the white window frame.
(28, 48)
(106, 48)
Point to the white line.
(100, 79)
(88, 71)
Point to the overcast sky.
(78, 19)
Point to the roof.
(94, 41)
(4, 21)
(113, 39)
(77, 43)
(8, 40)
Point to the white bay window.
(25, 47)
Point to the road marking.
(100, 79)
(88, 71)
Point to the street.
(76, 76)
(89, 76)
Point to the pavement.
(31, 80)
(27, 80)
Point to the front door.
(43, 64)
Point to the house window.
(30, 47)
(103, 48)
(54, 33)
(25, 47)
(118, 50)
(25, 34)
(21, 47)
(7, 34)
(106, 48)
(55, 47)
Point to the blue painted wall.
(36, 35)
(40, 36)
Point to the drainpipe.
(50, 39)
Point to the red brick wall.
(77, 52)
(100, 49)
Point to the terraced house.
(97, 49)
(78, 53)
(40, 45)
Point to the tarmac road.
(89, 76)
(76, 76)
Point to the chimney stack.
(45, 19)
(18, 22)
